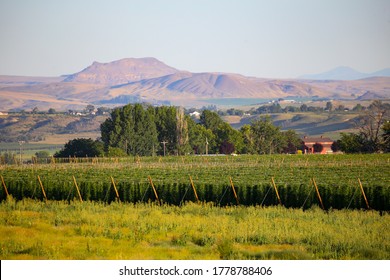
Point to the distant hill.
(213, 85)
(121, 71)
(346, 73)
(150, 80)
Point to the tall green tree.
(166, 125)
(131, 128)
(202, 140)
(248, 139)
(182, 139)
(267, 138)
(227, 135)
(210, 120)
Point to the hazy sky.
(280, 39)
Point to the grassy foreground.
(31, 229)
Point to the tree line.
(144, 130)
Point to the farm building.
(320, 145)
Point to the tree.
(227, 134)
(51, 111)
(183, 146)
(81, 147)
(8, 158)
(131, 128)
(35, 110)
(166, 125)
(115, 152)
(386, 137)
(202, 140)
(318, 148)
(42, 154)
(358, 108)
(336, 147)
(248, 139)
(329, 106)
(303, 108)
(267, 138)
(371, 123)
(210, 120)
(226, 148)
(351, 143)
(293, 142)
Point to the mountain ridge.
(150, 80)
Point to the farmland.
(335, 175)
(132, 224)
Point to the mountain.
(345, 73)
(213, 85)
(149, 80)
(121, 71)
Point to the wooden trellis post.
(116, 191)
(193, 187)
(4, 186)
(154, 190)
(43, 190)
(234, 191)
(276, 190)
(77, 187)
(318, 194)
(364, 195)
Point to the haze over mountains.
(150, 80)
(346, 73)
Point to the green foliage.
(267, 138)
(335, 175)
(42, 154)
(115, 152)
(8, 158)
(31, 229)
(227, 135)
(318, 148)
(81, 147)
(292, 142)
(386, 137)
(210, 120)
(370, 137)
(131, 128)
(351, 143)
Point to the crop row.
(291, 195)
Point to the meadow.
(89, 230)
(132, 224)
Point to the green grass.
(59, 230)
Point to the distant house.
(195, 114)
(314, 143)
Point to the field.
(132, 224)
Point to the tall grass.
(31, 229)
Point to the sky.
(269, 39)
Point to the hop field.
(336, 176)
(120, 218)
